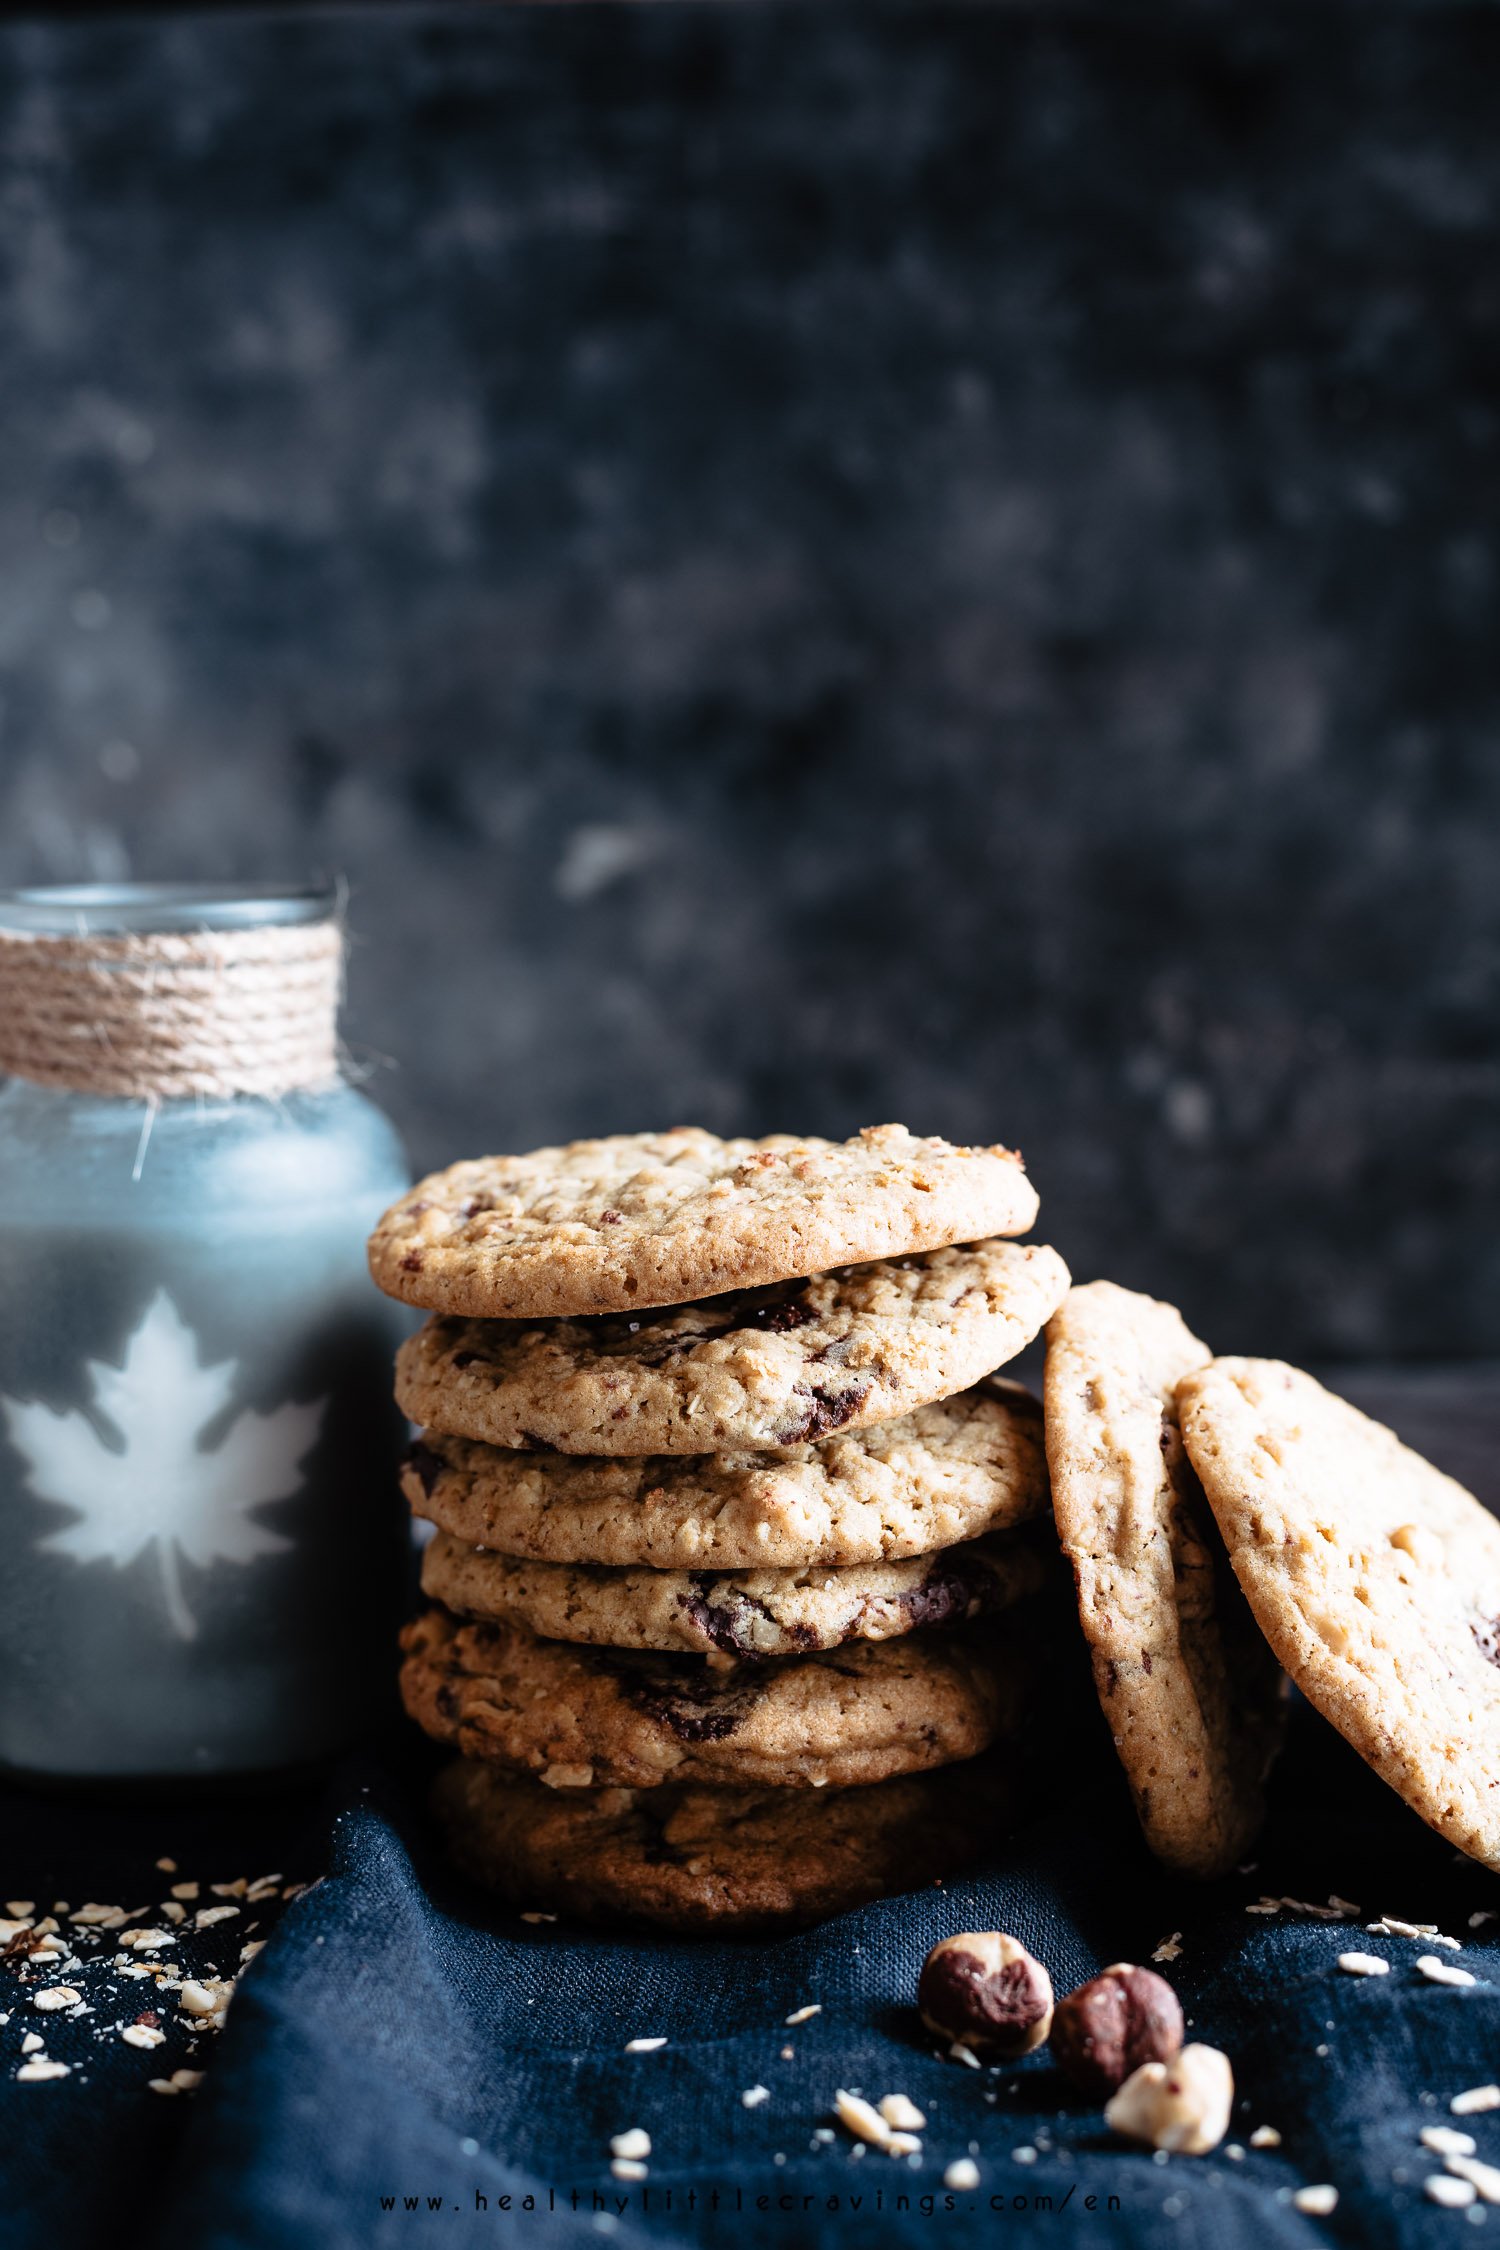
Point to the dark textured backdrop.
(810, 564)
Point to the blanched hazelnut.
(1107, 2028)
(983, 1990)
(1183, 2105)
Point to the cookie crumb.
(632, 2145)
(34, 2073)
(627, 2168)
(1265, 2136)
(1454, 2195)
(645, 2046)
(1317, 2201)
(143, 2035)
(534, 1916)
(1477, 2098)
(1483, 2178)
(866, 2123)
(56, 1996)
(1364, 1965)
(1443, 1972)
(958, 2052)
(753, 2096)
(1170, 1948)
(1446, 2140)
(901, 2112)
(962, 2173)
(804, 2015)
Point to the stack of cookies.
(728, 1505)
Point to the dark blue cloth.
(399, 2040)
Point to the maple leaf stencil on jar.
(163, 1461)
(205, 1545)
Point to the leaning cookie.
(771, 1367)
(718, 1861)
(1190, 1691)
(583, 1718)
(1375, 1578)
(664, 1218)
(737, 1613)
(946, 1474)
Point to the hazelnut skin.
(1104, 2031)
(984, 1991)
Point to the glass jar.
(197, 1439)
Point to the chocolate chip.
(412, 1262)
(729, 1622)
(780, 1320)
(425, 1465)
(950, 1591)
(1486, 1632)
(829, 1410)
(683, 1696)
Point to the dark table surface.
(399, 2039)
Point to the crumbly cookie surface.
(689, 1859)
(582, 1718)
(1188, 1687)
(663, 1218)
(737, 1613)
(1375, 1578)
(946, 1474)
(786, 1365)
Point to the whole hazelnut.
(1181, 2105)
(1107, 2028)
(984, 1991)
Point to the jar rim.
(101, 909)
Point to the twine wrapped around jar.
(164, 1015)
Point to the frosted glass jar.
(203, 1547)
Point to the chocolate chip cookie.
(1189, 1689)
(1375, 1578)
(781, 1366)
(582, 1718)
(665, 1218)
(932, 1479)
(719, 1861)
(738, 1613)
